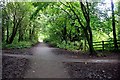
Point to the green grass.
(22, 44)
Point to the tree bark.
(6, 20)
(7, 39)
(3, 29)
(20, 34)
(15, 28)
(65, 32)
(3, 33)
(119, 20)
(30, 34)
(14, 31)
(113, 25)
(88, 31)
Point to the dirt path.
(45, 64)
(48, 62)
(0, 64)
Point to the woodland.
(83, 26)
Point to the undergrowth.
(22, 44)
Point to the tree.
(17, 16)
(86, 14)
(119, 20)
(16, 20)
(86, 27)
(113, 25)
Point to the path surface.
(0, 64)
(46, 64)
(42, 61)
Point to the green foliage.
(40, 6)
(69, 45)
(63, 17)
(22, 44)
(17, 26)
(56, 22)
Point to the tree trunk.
(90, 43)
(86, 28)
(113, 25)
(15, 28)
(20, 34)
(64, 33)
(119, 20)
(92, 51)
(7, 39)
(70, 35)
(3, 30)
(88, 31)
(13, 34)
(3, 33)
(30, 34)
(33, 32)
(84, 45)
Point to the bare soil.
(97, 71)
(13, 67)
(16, 67)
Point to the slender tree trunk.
(64, 33)
(30, 34)
(113, 25)
(15, 28)
(91, 49)
(30, 31)
(7, 39)
(84, 47)
(88, 31)
(6, 19)
(3, 30)
(13, 34)
(119, 20)
(33, 32)
(3, 33)
(20, 34)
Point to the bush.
(22, 44)
(69, 45)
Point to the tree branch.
(77, 17)
(64, 10)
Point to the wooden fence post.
(103, 45)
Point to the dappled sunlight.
(41, 37)
(40, 40)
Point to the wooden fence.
(105, 45)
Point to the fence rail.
(105, 45)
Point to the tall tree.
(86, 27)
(89, 37)
(119, 20)
(113, 25)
